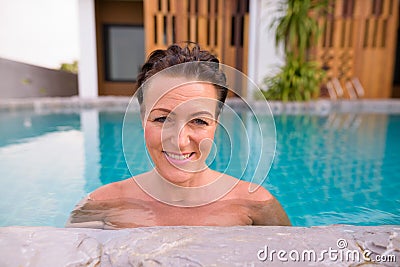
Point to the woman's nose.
(180, 136)
(184, 136)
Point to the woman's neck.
(194, 179)
(212, 186)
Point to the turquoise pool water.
(341, 168)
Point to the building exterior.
(360, 40)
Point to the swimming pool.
(328, 169)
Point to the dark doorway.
(120, 45)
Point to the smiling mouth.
(180, 157)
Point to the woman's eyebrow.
(162, 109)
(201, 113)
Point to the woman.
(182, 91)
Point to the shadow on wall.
(20, 80)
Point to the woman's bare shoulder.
(114, 190)
(250, 191)
(264, 208)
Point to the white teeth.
(178, 157)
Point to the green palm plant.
(297, 30)
(295, 82)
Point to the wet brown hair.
(191, 52)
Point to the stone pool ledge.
(55, 103)
(197, 246)
(120, 103)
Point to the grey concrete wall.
(20, 80)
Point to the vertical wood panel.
(181, 25)
(202, 23)
(359, 27)
(246, 43)
(392, 22)
(220, 26)
(220, 30)
(363, 45)
(160, 29)
(211, 24)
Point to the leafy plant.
(297, 30)
(294, 82)
(70, 67)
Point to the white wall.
(264, 58)
(87, 78)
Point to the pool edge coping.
(175, 245)
(318, 107)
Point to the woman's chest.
(128, 213)
(218, 215)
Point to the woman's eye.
(200, 122)
(161, 119)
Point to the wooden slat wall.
(220, 26)
(359, 41)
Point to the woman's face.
(179, 127)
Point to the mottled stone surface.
(199, 246)
(318, 107)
